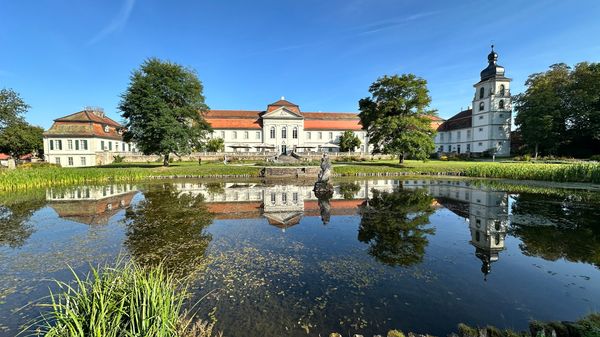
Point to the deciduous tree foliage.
(559, 112)
(162, 108)
(215, 145)
(397, 116)
(20, 138)
(12, 107)
(349, 141)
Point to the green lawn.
(49, 176)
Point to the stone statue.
(323, 189)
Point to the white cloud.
(116, 23)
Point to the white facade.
(83, 152)
(486, 126)
(282, 128)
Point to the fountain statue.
(323, 188)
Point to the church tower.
(492, 110)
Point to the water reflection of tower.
(488, 223)
(283, 205)
(485, 210)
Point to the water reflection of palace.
(90, 205)
(282, 205)
(485, 210)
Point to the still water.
(272, 260)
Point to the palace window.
(480, 144)
(129, 147)
(58, 144)
(331, 135)
(70, 144)
(480, 117)
(501, 104)
(223, 134)
(295, 133)
(458, 136)
(480, 129)
(468, 147)
(502, 89)
(246, 135)
(76, 144)
(481, 106)
(102, 145)
(308, 135)
(468, 134)
(272, 133)
(320, 135)
(258, 135)
(481, 92)
(57, 160)
(70, 159)
(51, 143)
(234, 134)
(109, 146)
(83, 161)
(284, 132)
(123, 147)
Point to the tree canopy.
(163, 108)
(349, 141)
(397, 116)
(20, 138)
(12, 107)
(215, 145)
(559, 112)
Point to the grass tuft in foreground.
(126, 300)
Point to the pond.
(272, 260)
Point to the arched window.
(502, 89)
(501, 104)
(272, 132)
(481, 106)
(481, 92)
(284, 132)
(295, 133)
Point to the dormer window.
(106, 129)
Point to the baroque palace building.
(283, 128)
(486, 126)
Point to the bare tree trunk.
(166, 160)
(536, 151)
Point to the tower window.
(481, 106)
(501, 104)
(481, 92)
(502, 89)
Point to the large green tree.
(395, 226)
(215, 145)
(349, 141)
(12, 107)
(163, 108)
(397, 117)
(20, 138)
(559, 112)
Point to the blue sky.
(62, 55)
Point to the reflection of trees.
(168, 226)
(14, 216)
(575, 235)
(393, 225)
(348, 190)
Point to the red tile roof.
(4, 156)
(88, 116)
(282, 102)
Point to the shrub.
(595, 157)
(118, 159)
(395, 333)
(467, 331)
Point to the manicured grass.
(129, 172)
